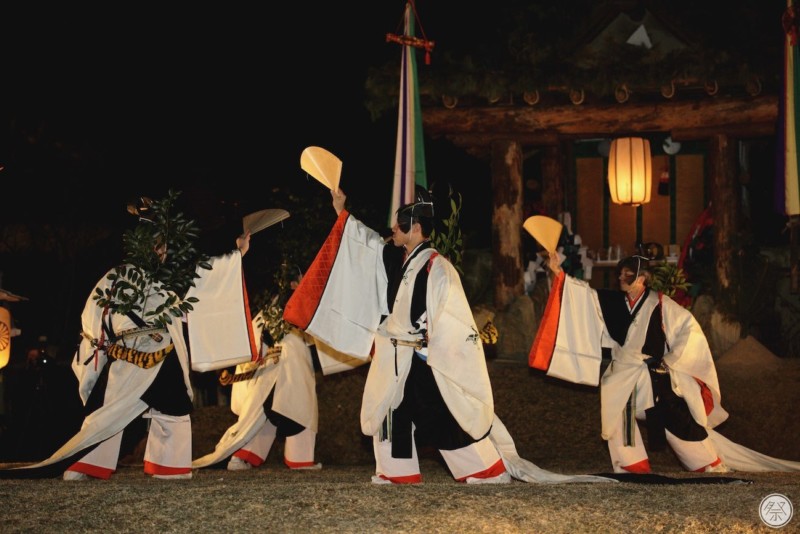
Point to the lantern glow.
(630, 171)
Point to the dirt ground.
(554, 424)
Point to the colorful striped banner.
(409, 163)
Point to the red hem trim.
(154, 469)
(294, 465)
(408, 479)
(641, 468)
(497, 469)
(92, 470)
(249, 457)
(715, 463)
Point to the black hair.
(419, 211)
(636, 264)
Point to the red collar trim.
(632, 301)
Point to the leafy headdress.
(160, 258)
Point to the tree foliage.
(669, 279)
(446, 236)
(161, 261)
(269, 304)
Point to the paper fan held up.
(259, 220)
(544, 230)
(322, 165)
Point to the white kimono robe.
(127, 382)
(341, 300)
(353, 303)
(292, 378)
(569, 344)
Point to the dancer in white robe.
(428, 382)
(275, 396)
(285, 377)
(127, 368)
(661, 371)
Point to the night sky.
(221, 98)
(102, 107)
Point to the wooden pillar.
(553, 172)
(794, 254)
(507, 196)
(726, 209)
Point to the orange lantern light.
(630, 171)
(5, 336)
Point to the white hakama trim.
(169, 445)
(470, 460)
(623, 455)
(256, 450)
(236, 436)
(296, 386)
(740, 458)
(102, 460)
(383, 389)
(299, 449)
(626, 375)
(525, 470)
(387, 466)
(693, 455)
(292, 378)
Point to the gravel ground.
(555, 425)
(341, 499)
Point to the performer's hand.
(554, 262)
(243, 243)
(338, 200)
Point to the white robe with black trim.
(293, 380)
(127, 382)
(341, 300)
(569, 344)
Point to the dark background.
(104, 106)
(224, 98)
(100, 105)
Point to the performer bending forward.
(132, 361)
(661, 371)
(274, 397)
